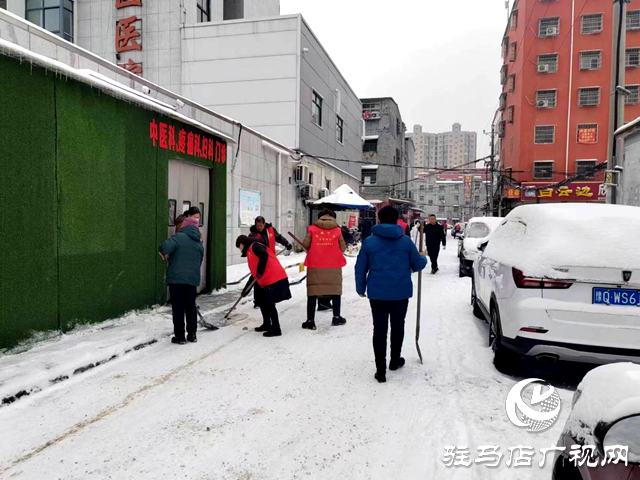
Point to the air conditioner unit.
(302, 174)
(307, 191)
(543, 104)
(543, 68)
(375, 116)
(551, 32)
(324, 193)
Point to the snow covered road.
(305, 405)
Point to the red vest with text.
(272, 273)
(325, 248)
(403, 225)
(271, 237)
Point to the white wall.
(17, 7)
(246, 70)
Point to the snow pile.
(536, 238)
(607, 393)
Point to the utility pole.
(490, 197)
(616, 114)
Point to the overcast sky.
(439, 59)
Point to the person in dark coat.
(269, 235)
(434, 234)
(271, 286)
(383, 273)
(185, 252)
(366, 229)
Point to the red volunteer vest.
(271, 237)
(403, 225)
(325, 248)
(272, 273)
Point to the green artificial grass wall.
(88, 190)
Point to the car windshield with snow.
(561, 281)
(478, 229)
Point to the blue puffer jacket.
(185, 257)
(385, 263)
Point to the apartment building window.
(588, 133)
(327, 184)
(543, 170)
(510, 114)
(546, 98)
(514, 20)
(633, 20)
(590, 60)
(441, 188)
(440, 208)
(513, 51)
(430, 188)
(545, 134)
(3, 4)
(233, 9)
(422, 198)
(632, 57)
(591, 24)
(589, 97)
(456, 209)
(204, 11)
(502, 104)
(339, 129)
(634, 98)
(369, 175)
(503, 74)
(441, 198)
(511, 83)
(548, 63)
(370, 146)
(549, 27)
(316, 108)
(430, 202)
(53, 15)
(584, 166)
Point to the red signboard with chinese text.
(189, 143)
(132, 67)
(512, 192)
(128, 3)
(128, 36)
(572, 192)
(468, 180)
(588, 135)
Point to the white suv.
(561, 281)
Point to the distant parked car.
(605, 411)
(561, 281)
(478, 229)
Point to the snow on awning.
(345, 197)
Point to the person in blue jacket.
(383, 273)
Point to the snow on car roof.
(493, 222)
(536, 238)
(608, 393)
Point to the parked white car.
(562, 281)
(478, 229)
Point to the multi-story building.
(385, 175)
(556, 95)
(446, 149)
(451, 196)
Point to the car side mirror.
(623, 432)
(482, 246)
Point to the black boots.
(263, 328)
(337, 321)
(309, 325)
(273, 333)
(381, 377)
(178, 341)
(395, 365)
(191, 337)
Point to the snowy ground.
(305, 405)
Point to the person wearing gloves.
(434, 234)
(270, 235)
(383, 273)
(184, 252)
(272, 285)
(325, 246)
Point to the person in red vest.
(269, 235)
(272, 285)
(404, 225)
(324, 262)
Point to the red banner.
(512, 193)
(588, 135)
(572, 192)
(468, 180)
(188, 143)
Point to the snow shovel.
(421, 249)
(298, 241)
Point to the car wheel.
(505, 360)
(460, 274)
(477, 312)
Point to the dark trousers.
(336, 301)
(433, 256)
(183, 300)
(270, 315)
(383, 311)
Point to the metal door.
(188, 187)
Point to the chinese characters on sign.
(128, 36)
(574, 191)
(587, 135)
(523, 456)
(189, 143)
(512, 193)
(468, 179)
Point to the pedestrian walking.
(404, 225)
(366, 229)
(269, 235)
(184, 252)
(383, 273)
(434, 234)
(272, 285)
(325, 246)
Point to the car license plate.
(616, 296)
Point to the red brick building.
(556, 96)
